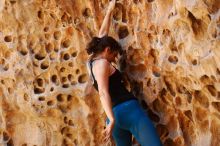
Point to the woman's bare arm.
(101, 73)
(107, 20)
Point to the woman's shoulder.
(102, 62)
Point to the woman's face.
(113, 55)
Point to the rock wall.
(171, 60)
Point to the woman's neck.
(99, 56)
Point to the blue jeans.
(131, 119)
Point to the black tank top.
(117, 89)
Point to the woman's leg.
(121, 137)
(143, 129)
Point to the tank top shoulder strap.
(91, 61)
(91, 65)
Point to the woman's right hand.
(111, 5)
(108, 131)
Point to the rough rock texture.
(172, 61)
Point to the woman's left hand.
(111, 5)
(108, 131)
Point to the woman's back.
(117, 89)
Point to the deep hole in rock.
(69, 97)
(216, 105)
(49, 47)
(188, 113)
(212, 90)
(54, 78)
(39, 56)
(74, 54)
(162, 130)
(70, 77)
(196, 24)
(38, 90)
(63, 79)
(87, 12)
(66, 43)
(200, 97)
(82, 78)
(50, 103)
(10, 143)
(123, 32)
(77, 71)
(65, 119)
(194, 62)
(23, 51)
(60, 97)
(65, 85)
(66, 56)
(154, 117)
(150, 1)
(71, 123)
(169, 142)
(40, 14)
(62, 69)
(173, 59)
(8, 38)
(44, 65)
(63, 130)
(40, 82)
(41, 98)
(6, 137)
(51, 89)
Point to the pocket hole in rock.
(38, 90)
(69, 97)
(194, 62)
(40, 82)
(44, 65)
(39, 56)
(66, 56)
(40, 14)
(173, 59)
(50, 103)
(62, 69)
(66, 43)
(77, 71)
(70, 64)
(71, 123)
(212, 90)
(60, 97)
(216, 105)
(10, 143)
(123, 32)
(82, 78)
(8, 38)
(6, 137)
(65, 85)
(74, 54)
(63, 79)
(49, 47)
(70, 77)
(51, 89)
(41, 98)
(23, 51)
(87, 13)
(54, 78)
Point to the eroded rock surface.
(171, 61)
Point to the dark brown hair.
(97, 45)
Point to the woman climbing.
(125, 116)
